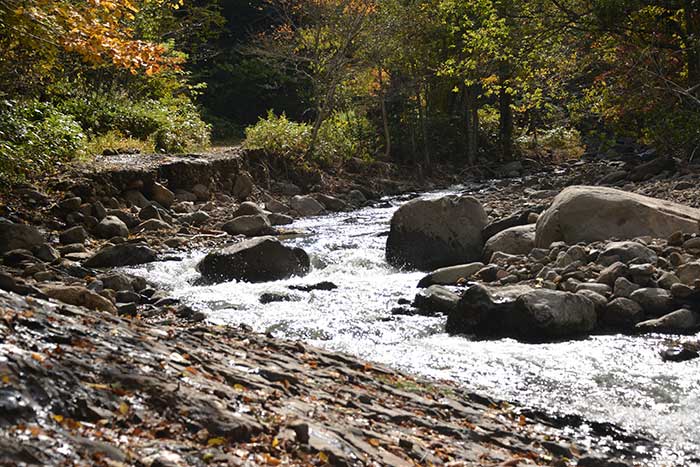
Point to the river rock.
(18, 236)
(71, 204)
(331, 203)
(356, 198)
(125, 254)
(79, 296)
(611, 273)
(522, 312)
(243, 187)
(679, 321)
(306, 206)
(162, 195)
(117, 282)
(436, 299)
(434, 233)
(655, 301)
(196, 218)
(622, 313)
(136, 198)
(626, 251)
(248, 208)
(255, 260)
(275, 206)
(149, 212)
(688, 273)
(75, 234)
(624, 287)
(152, 225)
(450, 275)
(586, 214)
(111, 226)
(249, 226)
(202, 192)
(280, 219)
(518, 240)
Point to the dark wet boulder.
(125, 254)
(255, 260)
(522, 312)
(678, 322)
(433, 233)
(18, 236)
(436, 299)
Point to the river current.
(612, 378)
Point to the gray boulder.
(196, 218)
(627, 251)
(125, 254)
(450, 275)
(18, 236)
(622, 313)
(75, 234)
(243, 187)
(248, 208)
(434, 233)
(522, 312)
(254, 260)
(518, 240)
(655, 301)
(331, 203)
(436, 299)
(79, 296)
(111, 226)
(280, 219)
(162, 195)
(689, 273)
(586, 214)
(249, 226)
(679, 321)
(307, 206)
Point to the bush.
(35, 137)
(342, 136)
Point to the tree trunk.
(692, 44)
(424, 132)
(385, 118)
(471, 119)
(506, 115)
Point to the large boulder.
(255, 260)
(586, 214)
(307, 206)
(18, 236)
(433, 233)
(124, 254)
(522, 312)
(518, 240)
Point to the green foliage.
(36, 137)
(342, 136)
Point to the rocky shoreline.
(61, 240)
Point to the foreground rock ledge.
(86, 387)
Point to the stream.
(611, 378)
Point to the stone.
(611, 273)
(248, 208)
(201, 191)
(197, 218)
(152, 225)
(623, 287)
(47, 253)
(626, 252)
(331, 203)
(522, 312)
(688, 273)
(99, 209)
(149, 212)
(622, 313)
(19, 256)
(307, 206)
(18, 236)
(675, 239)
(587, 214)
(117, 282)
(287, 189)
(125, 254)
(275, 206)
(280, 219)
(692, 244)
(599, 300)
(434, 233)
(436, 299)
(79, 296)
(677, 322)
(162, 195)
(324, 285)
(71, 204)
(681, 291)
(272, 297)
(518, 240)
(129, 219)
(653, 300)
(356, 198)
(184, 195)
(243, 187)
(667, 280)
(111, 226)
(75, 234)
(450, 275)
(602, 289)
(249, 226)
(678, 353)
(136, 198)
(254, 260)
(497, 226)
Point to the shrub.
(342, 136)
(35, 137)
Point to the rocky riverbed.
(64, 239)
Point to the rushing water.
(616, 378)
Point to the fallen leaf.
(374, 442)
(216, 441)
(272, 460)
(38, 357)
(275, 442)
(123, 408)
(323, 456)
